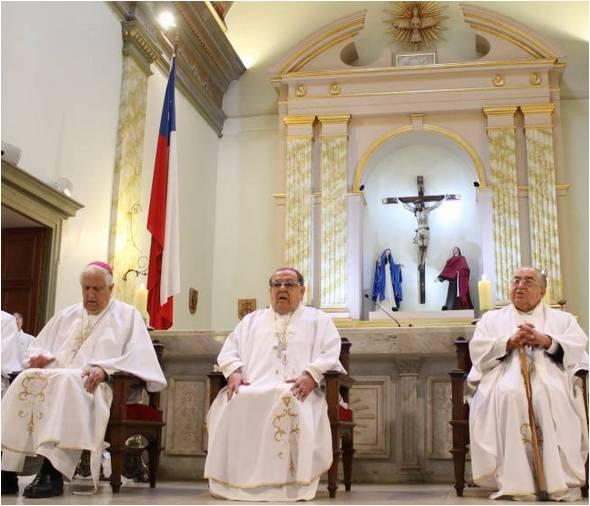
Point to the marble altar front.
(401, 401)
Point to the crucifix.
(418, 206)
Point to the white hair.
(108, 277)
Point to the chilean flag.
(162, 223)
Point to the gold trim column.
(502, 156)
(139, 51)
(542, 194)
(334, 243)
(298, 224)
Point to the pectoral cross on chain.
(280, 348)
(417, 205)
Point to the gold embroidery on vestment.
(290, 419)
(32, 393)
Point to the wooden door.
(23, 255)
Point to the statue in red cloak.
(456, 272)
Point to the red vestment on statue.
(457, 268)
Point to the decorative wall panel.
(185, 417)
(438, 430)
(543, 206)
(369, 400)
(298, 221)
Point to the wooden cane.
(537, 458)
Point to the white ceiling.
(261, 32)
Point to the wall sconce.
(141, 268)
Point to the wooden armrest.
(344, 380)
(120, 378)
(457, 394)
(124, 376)
(216, 382)
(121, 382)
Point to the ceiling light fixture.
(166, 20)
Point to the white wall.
(245, 214)
(61, 78)
(392, 173)
(573, 208)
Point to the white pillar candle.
(485, 293)
(140, 300)
(547, 296)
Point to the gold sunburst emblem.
(416, 23)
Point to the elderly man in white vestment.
(24, 339)
(556, 348)
(269, 433)
(12, 356)
(60, 405)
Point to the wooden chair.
(460, 414)
(127, 420)
(341, 423)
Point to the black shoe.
(9, 483)
(45, 485)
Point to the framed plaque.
(246, 306)
(412, 59)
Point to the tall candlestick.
(485, 293)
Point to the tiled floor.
(197, 493)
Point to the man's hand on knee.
(234, 381)
(39, 361)
(303, 386)
(94, 376)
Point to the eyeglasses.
(286, 284)
(528, 282)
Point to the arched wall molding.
(320, 41)
(453, 136)
(489, 22)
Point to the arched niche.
(391, 171)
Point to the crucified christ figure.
(419, 207)
(421, 212)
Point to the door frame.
(42, 203)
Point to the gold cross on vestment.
(281, 348)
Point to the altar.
(401, 401)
